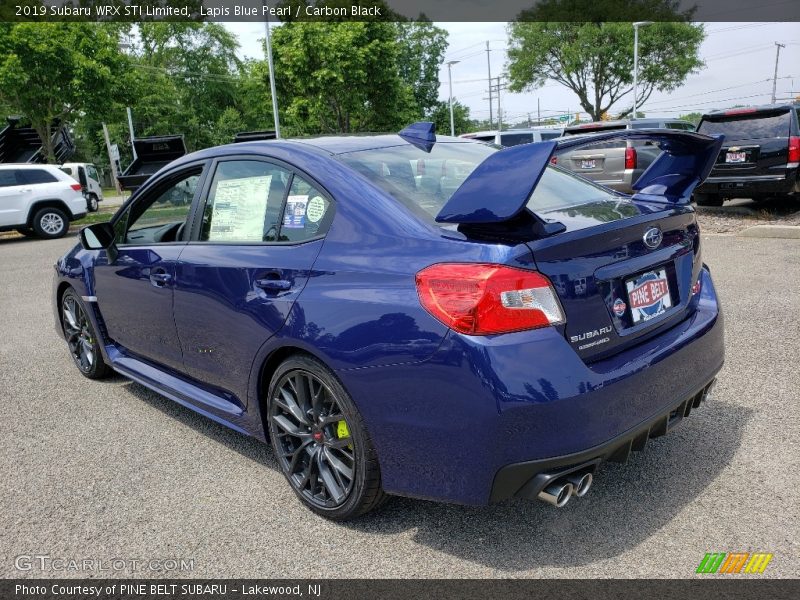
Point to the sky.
(739, 57)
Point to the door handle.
(160, 278)
(274, 285)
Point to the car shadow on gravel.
(626, 505)
(247, 446)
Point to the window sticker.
(316, 209)
(240, 206)
(295, 215)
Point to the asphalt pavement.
(104, 470)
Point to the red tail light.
(76, 187)
(794, 149)
(630, 158)
(480, 299)
(553, 160)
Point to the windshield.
(425, 181)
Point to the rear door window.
(748, 126)
(244, 202)
(34, 176)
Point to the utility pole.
(538, 112)
(111, 160)
(268, 44)
(130, 128)
(775, 77)
(529, 121)
(489, 68)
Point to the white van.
(514, 137)
(86, 174)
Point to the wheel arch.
(266, 371)
(50, 203)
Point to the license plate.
(588, 164)
(736, 157)
(648, 295)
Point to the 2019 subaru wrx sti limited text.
(406, 314)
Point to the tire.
(50, 223)
(82, 340)
(27, 232)
(708, 199)
(92, 203)
(303, 403)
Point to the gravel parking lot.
(109, 469)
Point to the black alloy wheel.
(320, 441)
(84, 346)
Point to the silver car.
(616, 164)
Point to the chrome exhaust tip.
(581, 482)
(557, 494)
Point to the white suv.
(38, 200)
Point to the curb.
(739, 211)
(791, 232)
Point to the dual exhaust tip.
(562, 490)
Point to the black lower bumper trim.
(527, 479)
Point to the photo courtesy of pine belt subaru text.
(409, 314)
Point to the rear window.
(550, 135)
(679, 125)
(424, 182)
(514, 139)
(748, 126)
(37, 176)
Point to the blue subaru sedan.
(408, 314)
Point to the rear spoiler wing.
(497, 191)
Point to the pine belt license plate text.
(588, 164)
(736, 157)
(648, 295)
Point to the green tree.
(594, 59)
(340, 77)
(52, 72)
(692, 117)
(421, 52)
(441, 117)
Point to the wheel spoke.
(329, 419)
(335, 491)
(289, 427)
(338, 465)
(290, 405)
(71, 321)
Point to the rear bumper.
(527, 479)
(444, 428)
(732, 185)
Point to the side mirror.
(99, 236)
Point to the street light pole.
(268, 44)
(636, 61)
(450, 81)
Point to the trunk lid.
(601, 267)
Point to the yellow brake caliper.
(343, 432)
